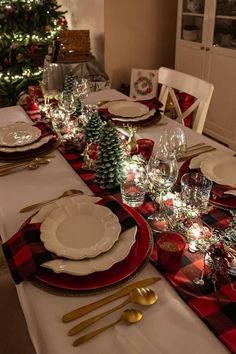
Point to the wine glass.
(67, 103)
(81, 89)
(173, 141)
(162, 174)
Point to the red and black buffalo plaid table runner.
(216, 308)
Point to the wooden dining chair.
(173, 82)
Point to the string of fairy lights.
(20, 38)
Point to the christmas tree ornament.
(109, 165)
(131, 144)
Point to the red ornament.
(26, 18)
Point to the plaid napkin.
(25, 252)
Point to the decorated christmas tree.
(109, 166)
(27, 28)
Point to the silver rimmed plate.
(18, 134)
(79, 231)
(128, 109)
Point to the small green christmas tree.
(93, 128)
(109, 166)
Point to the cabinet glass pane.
(192, 28)
(192, 20)
(194, 6)
(226, 7)
(225, 33)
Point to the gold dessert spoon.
(129, 316)
(68, 193)
(140, 296)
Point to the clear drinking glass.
(162, 173)
(81, 89)
(173, 141)
(195, 192)
(133, 187)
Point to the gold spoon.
(130, 316)
(32, 165)
(140, 296)
(68, 193)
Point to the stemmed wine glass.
(81, 89)
(67, 104)
(173, 140)
(162, 174)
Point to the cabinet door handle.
(207, 49)
(202, 48)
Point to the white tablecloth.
(168, 327)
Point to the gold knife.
(79, 312)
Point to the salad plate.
(18, 134)
(104, 261)
(128, 109)
(32, 146)
(78, 231)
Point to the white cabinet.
(206, 48)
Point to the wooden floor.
(14, 337)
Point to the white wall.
(87, 14)
(126, 33)
(138, 34)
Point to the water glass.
(133, 188)
(195, 191)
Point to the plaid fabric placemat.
(216, 309)
(25, 252)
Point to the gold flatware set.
(195, 150)
(32, 164)
(137, 293)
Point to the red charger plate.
(138, 256)
(226, 202)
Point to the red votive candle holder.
(170, 249)
(145, 147)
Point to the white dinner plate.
(28, 147)
(128, 109)
(18, 134)
(221, 171)
(220, 155)
(104, 261)
(136, 119)
(79, 231)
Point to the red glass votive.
(145, 147)
(170, 249)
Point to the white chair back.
(201, 90)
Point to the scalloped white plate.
(128, 109)
(28, 147)
(80, 231)
(104, 261)
(18, 134)
(221, 171)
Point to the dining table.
(169, 326)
